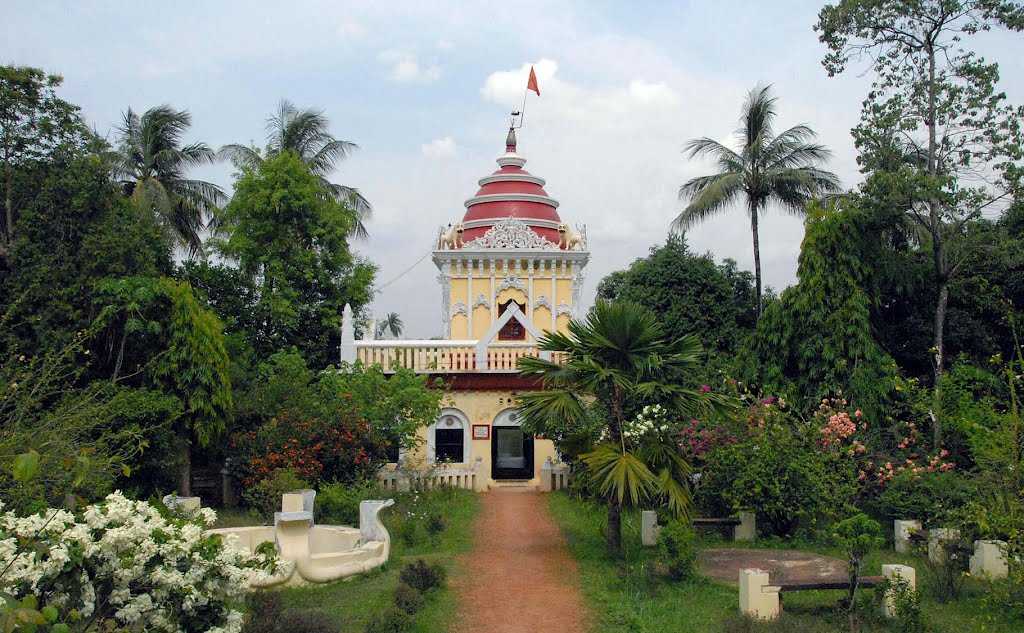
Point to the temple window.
(513, 330)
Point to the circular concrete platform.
(783, 566)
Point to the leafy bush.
(267, 614)
(677, 543)
(125, 566)
(393, 620)
(927, 497)
(423, 576)
(906, 605)
(265, 495)
(948, 572)
(408, 599)
(338, 503)
(857, 536)
(436, 523)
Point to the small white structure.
(184, 505)
(316, 553)
(893, 573)
(553, 476)
(758, 599)
(989, 560)
(902, 531)
(937, 541)
(747, 529)
(649, 528)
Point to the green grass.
(626, 596)
(353, 601)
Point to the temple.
(509, 270)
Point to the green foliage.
(817, 337)
(677, 543)
(856, 536)
(793, 485)
(268, 614)
(283, 230)
(408, 599)
(393, 620)
(689, 293)
(423, 576)
(265, 495)
(906, 602)
(338, 503)
(927, 497)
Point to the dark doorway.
(513, 330)
(511, 453)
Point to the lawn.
(354, 601)
(628, 596)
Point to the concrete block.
(649, 528)
(292, 502)
(545, 476)
(901, 534)
(937, 538)
(989, 560)
(892, 572)
(747, 529)
(758, 599)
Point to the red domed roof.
(511, 192)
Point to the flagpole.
(522, 110)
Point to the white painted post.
(747, 529)
(649, 528)
(989, 560)
(545, 476)
(348, 336)
(937, 539)
(892, 573)
(902, 531)
(758, 599)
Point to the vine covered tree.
(305, 132)
(152, 165)
(766, 169)
(937, 101)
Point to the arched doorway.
(511, 449)
(448, 438)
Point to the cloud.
(439, 148)
(507, 86)
(405, 67)
(351, 29)
(445, 45)
(652, 93)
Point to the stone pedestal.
(649, 528)
(758, 599)
(937, 539)
(184, 505)
(989, 560)
(545, 476)
(901, 534)
(747, 529)
(892, 573)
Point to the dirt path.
(519, 577)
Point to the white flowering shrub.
(123, 565)
(652, 419)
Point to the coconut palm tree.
(390, 323)
(151, 164)
(767, 168)
(305, 133)
(613, 364)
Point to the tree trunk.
(938, 253)
(940, 358)
(8, 236)
(613, 537)
(185, 475)
(757, 257)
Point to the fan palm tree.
(390, 323)
(305, 133)
(767, 168)
(151, 165)
(619, 360)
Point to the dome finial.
(510, 141)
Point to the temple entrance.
(511, 449)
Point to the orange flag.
(531, 84)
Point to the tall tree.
(291, 240)
(305, 132)
(390, 323)
(620, 360)
(35, 125)
(152, 165)
(939, 100)
(767, 168)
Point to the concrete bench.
(744, 526)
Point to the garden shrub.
(857, 536)
(948, 573)
(678, 547)
(927, 497)
(392, 620)
(125, 566)
(265, 495)
(906, 603)
(408, 599)
(338, 503)
(267, 614)
(422, 576)
(436, 523)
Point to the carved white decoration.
(577, 288)
(542, 302)
(481, 300)
(459, 308)
(511, 281)
(511, 233)
(446, 296)
(564, 308)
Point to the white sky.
(425, 88)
